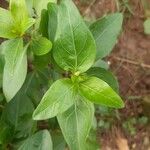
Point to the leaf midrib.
(71, 29)
(47, 106)
(105, 30)
(95, 91)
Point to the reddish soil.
(130, 62)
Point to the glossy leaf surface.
(74, 49)
(99, 92)
(57, 99)
(40, 46)
(106, 76)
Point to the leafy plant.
(52, 51)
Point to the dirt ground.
(130, 62)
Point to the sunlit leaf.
(57, 99)
(99, 92)
(74, 49)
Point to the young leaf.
(76, 123)
(17, 6)
(106, 76)
(99, 92)
(15, 68)
(56, 100)
(40, 46)
(74, 49)
(19, 12)
(105, 32)
(29, 4)
(39, 141)
(6, 24)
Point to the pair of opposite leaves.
(71, 99)
(74, 50)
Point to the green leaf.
(105, 32)
(147, 26)
(101, 63)
(106, 76)
(40, 46)
(44, 23)
(6, 24)
(1, 70)
(18, 9)
(5, 133)
(58, 140)
(91, 142)
(42, 61)
(29, 4)
(37, 82)
(74, 49)
(15, 68)
(52, 21)
(18, 115)
(35, 8)
(21, 27)
(99, 92)
(39, 141)
(76, 123)
(39, 5)
(57, 99)
(19, 12)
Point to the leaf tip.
(8, 97)
(35, 115)
(121, 104)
